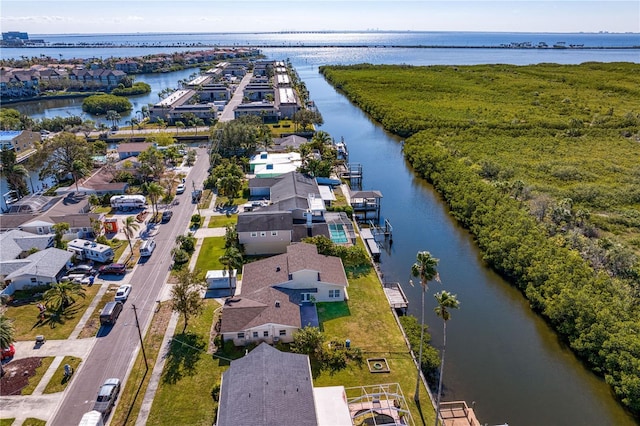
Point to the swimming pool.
(338, 234)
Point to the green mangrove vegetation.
(100, 104)
(542, 164)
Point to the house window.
(283, 332)
(263, 234)
(254, 234)
(240, 335)
(274, 233)
(33, 280)
(306, 296)
(255, 334)
(265, 334)
(334, 293)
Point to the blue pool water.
(337, 233)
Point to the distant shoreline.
(301, 45)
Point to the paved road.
(116, 348)
(228, 113)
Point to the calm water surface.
(499, 354)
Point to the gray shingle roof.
(14, 242)
(264, 221)
(267, 387)
(46, 263)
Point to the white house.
(41, 268)
(278, 295)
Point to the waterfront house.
(133, 149)
(270, 387)
(22, 142)
(277, 294)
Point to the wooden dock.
(396, 297)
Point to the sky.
(197, 16)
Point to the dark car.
(82, 269)
(166, 215)
(113, 269)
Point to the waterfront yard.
(191, 376)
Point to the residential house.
(40, 268)
(133, 149)
(278, 292)
(294, 193)
(267, 164)
(265, 232)
(37, 214)
(288, 143)
(22, 142)
(270, 387)
(16, 244)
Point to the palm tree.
(154, 191)
(7, 332)
(445, 301)
(425, 268)
(78, 170)
(63, 295)
(231, 259)
(130, 226)
(7, 336)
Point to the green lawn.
(367, 321)
(35, 379)
(31, 421)
(211, 250)
(189, 376)
(6, 422)
(58, 382)
(221, 221)
(28, 325)
(184, 396)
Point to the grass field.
(28, 326)
(190, 374)
(210, 252)
(221, 221)
(58, 382)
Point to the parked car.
(8, 352)
(147, 247)
(181, 188)
(122, 294)
(110, 313)
(107, 395)
(113, 269)
(79, 278)
(166, 215)
(82, 269)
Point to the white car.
(180, 189)
(122, 294)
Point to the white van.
(147, 247)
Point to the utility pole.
(144, 355)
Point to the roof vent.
(277, 269)
(277, 303)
